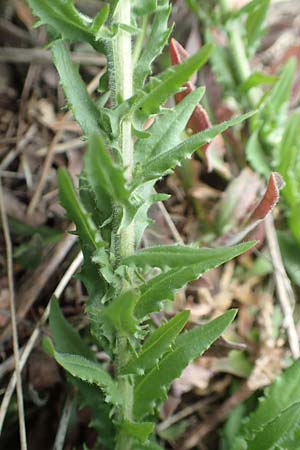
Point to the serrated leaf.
(157, 40)
(120, 313)
(282, 394)
(167, 129)
(159, 89)
(153, 386)
(81, 105)
(66, 339)
(176, 256)
(274, 432)
(69, 200)
(157, 344)
(90, 372)
(65, 19)
(191, 264)
(103, 173)
(161, 164)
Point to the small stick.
(211, 422)
(43, 56)
(10, 274)
(63, 424)
(170, 223)
(35, 335)
(283, 286)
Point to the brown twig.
(31, 288)
(211, 422)
(10, 274)
(35, 336)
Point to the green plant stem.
(123, 68)
(239, 55)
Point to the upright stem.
(123, 73)
(123, 68)
(239, 55)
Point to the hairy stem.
(123, 68)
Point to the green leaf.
(153, 386)
(120, 313)
(65, 19)
(157, 344)
(257, 79)
(280, 396)
(254, 24)
(66, 339)
(162, 287)
(167, 130)
(256, 155)
(177, 256)
(155, 43)
(280, 93)
(69, 200)
(160, 88)
(90, 397)
(80, 103)
(103, 173)
(288, 153)
(90, 372)
(273, 434)
(161, 164)
(138, 430)
(145, 7)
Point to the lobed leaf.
(66, 20)
(157, 344)
(80, 103)
(153, 386)
(91, 372)
(155, 43)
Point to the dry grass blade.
(10, 274)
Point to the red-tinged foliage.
(269, 199)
